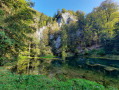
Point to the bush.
(101, 52)
(115, 52)
(85, 51)
(92, 51)
(2, 12)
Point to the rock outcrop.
(39, 32)
(65, 18)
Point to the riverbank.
(12, 81)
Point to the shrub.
(92, 51)
(116, 52)
(85, 51)
(101, 52)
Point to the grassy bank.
(9, 81)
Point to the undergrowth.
(10, 81)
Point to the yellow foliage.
(54, 28)
(22, 63)
(114, 18)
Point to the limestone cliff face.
(58, 42)
(65, 19)
(55, 37)
(39, 32)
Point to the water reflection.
(100, 70)
(108, 67)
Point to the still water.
(103, 71)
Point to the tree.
(64, 38)
(58, 14)
(81, 19)
(109, 7)
(15, 27)
(64, 10)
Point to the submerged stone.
(111, 69)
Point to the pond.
(103, 71)
(74, 61)
(109, 67)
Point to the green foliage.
(5, 43)
(69, 38)
(15, 25)
(23, 62)
(1, 16)
(100, 27)
(48, 56)
(92, 52)
(72, 12)
(1, 12)
(44, 20)
(12, 81)
(64, 38)
(85, 51)
(58, 15)
(101, 52)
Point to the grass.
(10, 81)
(64, 73)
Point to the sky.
(50, 7)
